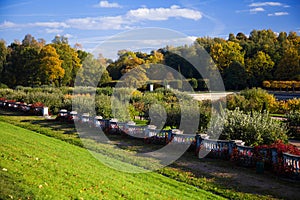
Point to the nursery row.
(34, 109)
(283, 159)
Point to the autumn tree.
(50, 66)
(259, 68)
(135, 78)
(205, 42)
(264, 54)
(128, 60)
(225, 53)
(69, 56)
(289, 66)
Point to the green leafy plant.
(254, 128)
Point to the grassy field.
(74, 173)
(34, 166)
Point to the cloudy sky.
(90, 22)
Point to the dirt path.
(242, 179)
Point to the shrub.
(103, 106)
(253, 128)
(5, 92)
(194, 83)
(266, 84)
(2, 85)
(105, 90)
(290, 105)
(236, 101)
(255, 99)
(293, 104)
(293, 123)
(281, 84)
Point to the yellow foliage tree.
(50, 65)
(225, 53)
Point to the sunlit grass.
(121, 158)
(38, 167)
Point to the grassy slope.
(39, 167)
(67, 133)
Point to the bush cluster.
(254, 128)
(247, 117)
(257, 99)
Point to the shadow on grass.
(119, 140)
(10, 187)
(66, 128)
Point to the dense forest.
(243, 61)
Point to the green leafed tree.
(259, 68)
(22, 62)
(3, 54)
(289, 66)
(235, 76)
(93, 72)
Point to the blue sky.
(89, 22)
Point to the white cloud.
(7, 24)
(68, 36)
(261, 6)
(97, 23)
(106, 4)
(52, 27)
(50, 24)
(54, 30)
(131, 18)
(126, 21)
(268, 3)
(163, 13)
(276, 14)
(255, 10)
(193, 38)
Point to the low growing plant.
(254, 128)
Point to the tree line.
(34, 63)
(243, 61)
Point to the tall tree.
(29, 54)
(50, 66)
(22, 62)
(71, 63)
(259, 68)
(289, 66)
(225, 53)
(93, 72)
(235, 76)
(3, 54)
(128, 60)
(13, 67)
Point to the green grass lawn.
(120, 153)
(34, 166)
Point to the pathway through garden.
(242, 179)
